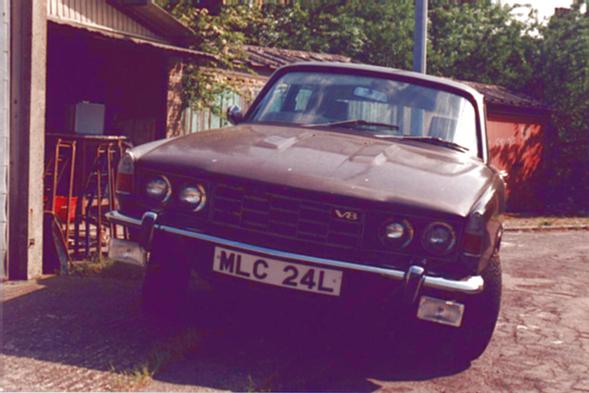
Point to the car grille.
(278, 212)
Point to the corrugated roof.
(273, 58)
(156, 18)
(499, 95)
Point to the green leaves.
(222, 35)
(376, 32)
(564, 68)
(482, 42)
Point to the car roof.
(384, 71)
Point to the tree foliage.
(564, 73)
(479, 41)
(222, 36)
(374, 32)
(563, 68)
(482, 41)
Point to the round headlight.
(193, 196)
(399, 233)
(439, 238)
(158, 189)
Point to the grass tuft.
(164, 353)
(107, 268)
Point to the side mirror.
(504, 175)
(234, 114)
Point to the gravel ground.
(87, 334)
(513, 220)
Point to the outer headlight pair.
(159, 189)
(438, 238)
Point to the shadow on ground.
(96, 323)
(87, 322)
(242, 350)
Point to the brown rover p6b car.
(345, 182)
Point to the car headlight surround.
(397, 232)
(158, 189)
(439, 238)
(194, 196)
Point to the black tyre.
(459, 346)
(165, 285)
(482, 311)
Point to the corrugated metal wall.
(195, 121)
(4, 127)
(98, 13)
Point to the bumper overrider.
(414, 279)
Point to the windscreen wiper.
(428, 139)
(355, 122)
(436, 141)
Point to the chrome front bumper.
(469, 285)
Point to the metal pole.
(420, 37)
(4, 130)
(419, 59)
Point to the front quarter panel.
(490, 207)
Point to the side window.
(302, 99)
(371, 111)
(276, 101)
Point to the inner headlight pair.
(438, 238)
(159, 189)
(193, 196)
(398, 233)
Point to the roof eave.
(157, 19)
(509, 109)
(177, 51)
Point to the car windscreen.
(370, 104)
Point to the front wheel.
(472, 339)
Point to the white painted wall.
(4, 128)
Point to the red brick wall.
(174, 125)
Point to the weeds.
(164, 353)
(263, 387)
(107, 268)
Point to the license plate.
(275, 272)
